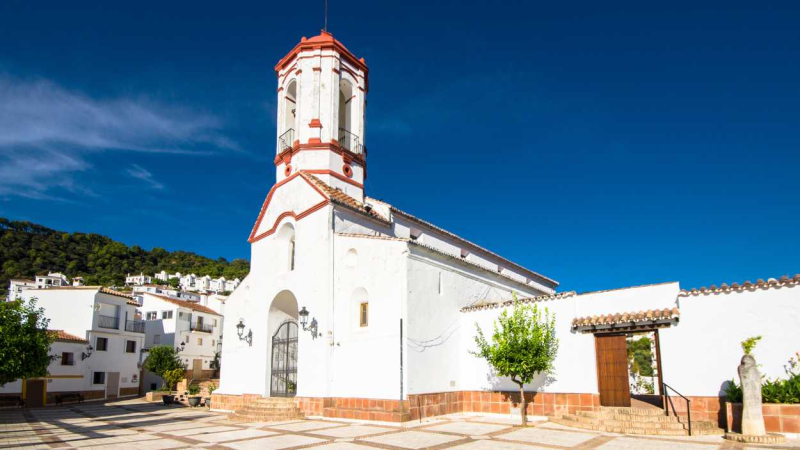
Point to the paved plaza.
(135, 424)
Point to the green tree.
(640, 357)
(172, 377)
(524, 344)
(24, 341)
(163, 359)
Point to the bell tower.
(322, 92)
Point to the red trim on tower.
(253, 238)
(324, 41)
(314, 140)
(315, 123)
(317, 69)
(335, 175)
(332, 146)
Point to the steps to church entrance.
(268, 409)
(646, 421)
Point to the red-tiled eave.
(184, 304)
(627, 317)
(339, 197)
(724, 288)
(62, 336)
(507, 303)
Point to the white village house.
(193, 329)
(106, 342)
(359, 310)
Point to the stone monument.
(753, 430)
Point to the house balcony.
(201, 327)
(109, 322)
(134, 326)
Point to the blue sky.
(601, 144)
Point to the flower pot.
(168, 399)
(194, 401)
(208, 402)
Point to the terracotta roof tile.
(62, 336)
(724, 288)
(628, 317)
(184, 304)
(339, 197)
(507, 303)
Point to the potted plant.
(211, 388)
(171, 378)
(194, 399)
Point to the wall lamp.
(242, 337)
(304, 322)
(181, 348)
(88, 352)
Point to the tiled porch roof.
(627, 318)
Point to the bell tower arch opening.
(288, 129)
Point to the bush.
(172, 377)
(211, 388)
(772, 391)
(733, 392)
(193, 389)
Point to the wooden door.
(612, 370)
(34, 393)
(197, 368)
(112, 385)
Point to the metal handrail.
(108, 322)
(286, 140)
(664, 387)
(134, 326)
(203, 327)
(350, 141)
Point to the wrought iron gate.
(284, 361)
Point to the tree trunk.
(523, 410)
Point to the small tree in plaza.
(524, 344)
(24, 341)
(172, 377)
(162, 359)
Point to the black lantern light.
(88, 352)
(181, 348)
(312, 328)
(240, 331)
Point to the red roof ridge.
(724, 288)
(341, 198)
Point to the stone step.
(275, 406)
(236, 417)
(633, 418)
(643, 428)
(633, 411)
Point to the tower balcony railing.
(286, 140)
(350, 142)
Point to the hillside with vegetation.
(28, 249)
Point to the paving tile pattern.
(134, 424)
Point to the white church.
(358, 310)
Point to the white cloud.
(140, 173)
(48, 134)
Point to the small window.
(363, 315)
(215, 322)
(67, 359)
(130, 347)
(157, 339)
(440, 283)
(99, 378)
(166, 314)
(101, 344)
(213, 342)
(199, 341)
(151, 315)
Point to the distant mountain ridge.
(28, 249)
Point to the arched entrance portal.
(283, 351)
(284, 361)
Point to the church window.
(363, 314)
(291, 253)
(351, 258)
(285, 239)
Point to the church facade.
(359, 310)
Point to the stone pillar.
(752, 417)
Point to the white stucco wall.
(704, 350)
